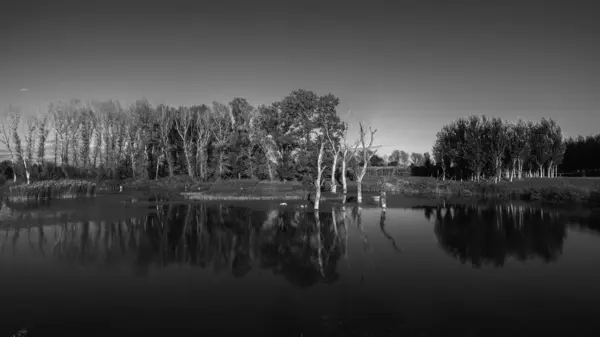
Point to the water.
(104, 268)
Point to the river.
(101, 267)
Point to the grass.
(556, 190)
(50, 189)
(248, 190)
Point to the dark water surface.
(103, 268)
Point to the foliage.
(51, 189)
(477, 148)
(103, 140)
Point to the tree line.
(582, 156)
(300, 137)
(477, 147)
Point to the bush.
(51, 189)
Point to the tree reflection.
(304, 248)
(490, 235)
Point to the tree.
(404, 159)
(263, 133)
(166, 120)
(10, 137)
(183, 123)
(417, 159)
(221, 131)
(43, 131)
(31, 123)
(348, 152)
(359, 171)
(240, 148)
(203, 133)
(497, 133)
(556, 148)
(335, 131)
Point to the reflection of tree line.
(490, 235)
(303, 247)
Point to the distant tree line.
(481, 147)
(416, 164)
(582, 156)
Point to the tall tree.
(183, 123)
(221, 131)
(497, 133)
(417, 159)
(361, 167)
(10, 137)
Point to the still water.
(101, 268)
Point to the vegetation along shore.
(297, 148)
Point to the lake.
(101, 267)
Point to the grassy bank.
(248, 190)
(49, 190)
(557, 190)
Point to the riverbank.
(48, 190)
(555, 190)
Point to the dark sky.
(404, 67)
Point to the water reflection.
(302, 247)
(490, 235)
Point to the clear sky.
(404, 67)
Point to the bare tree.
(203, 133)
(366, 153)
(221, 131)
(165, 126)
(97, 134)
(260, 136)
(31, 123)
(335, 135)
(10, 137)
(348, 152)
(42, 135)
(183, 124)
(320, 169)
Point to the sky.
(405, 68)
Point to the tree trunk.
(157, 167)
(333, 168)
(27, 173)
(344, 182)
(169, 161)
(220, 163)
(319, 174)
(270, 169)
(359, 190)
(132, 156)
(188, 159)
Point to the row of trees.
(401, 159)
(477, 147)
(582, 154)
(298, 138)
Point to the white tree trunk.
(359, 190)
(27, 173)
(333, 167)
(319, 175)
(344, 182)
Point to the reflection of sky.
(422, 285)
